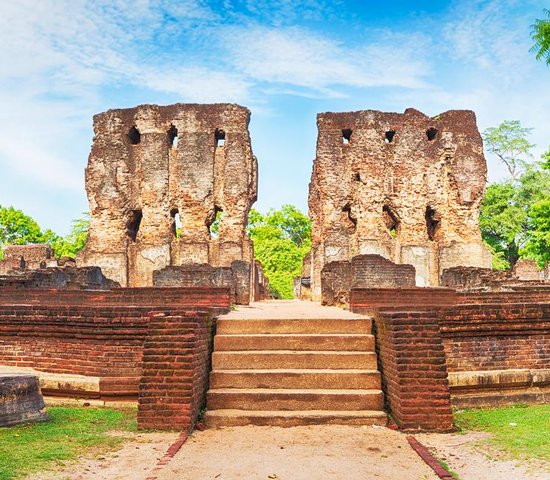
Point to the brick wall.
(211, 298)
(375, 271)
(496, 344)
(176, 364)
(362, 272)
(368, 300)
(99, 334)
(414, 373)
(496, 336)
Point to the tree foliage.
(512, 217)
(281, 240)
(509, 143)
(540, 33)
(17, 228)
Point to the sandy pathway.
(469, 456)
(298, 453)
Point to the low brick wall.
(497, 344)
(414, 373)
(93, 333)
(211, 298)
(369, 300)
(517, 295)
(496, 336)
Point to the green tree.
(540, 33)
(70, 245)
(16, 228)
(546, 159)
(538, 243)
(281, 239)
(509, 143)
(510, 217)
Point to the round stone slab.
(20, 399)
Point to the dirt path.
(135, 461)
(469, 456)
(330, 452)
(298, 453)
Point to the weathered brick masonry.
(414, 374)
(102, 334)
(496, 345)
(176, 364)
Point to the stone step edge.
(296, 352)
(285, 335)
(295, 391)
(305, 371)
(296, 413)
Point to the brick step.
(307, 325)
(280, 418)
(294, 399)
(292, 341)
(289, 359)
(298, 378)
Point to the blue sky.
(63, 61)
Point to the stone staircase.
(294, 363)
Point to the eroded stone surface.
(404, 186)
(20, 399)
(157, 177)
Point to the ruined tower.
(156, 179)
(404, 186)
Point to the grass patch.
(70, 433)
(445, 465)
(521, 431)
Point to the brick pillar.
(176, 364)
(414, 371)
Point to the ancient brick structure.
(120, 343)
(496, 345)
(20, 258)
(403, 186)
(156, 180)
(524, 273)
(338, 278)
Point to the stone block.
(20, 399)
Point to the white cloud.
(299, 58)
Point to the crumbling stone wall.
(404, 186)
(150, 166)
(525, 273)
(20, 258)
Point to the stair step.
(233, 418)
(296, 378)
(301, 325)
(292, 341)
(294, 399)
(289, 359)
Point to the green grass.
(445, 465)
(71, 432)
(527, 439)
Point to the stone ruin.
(35, 266)
(406, 187)
(157, 179)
